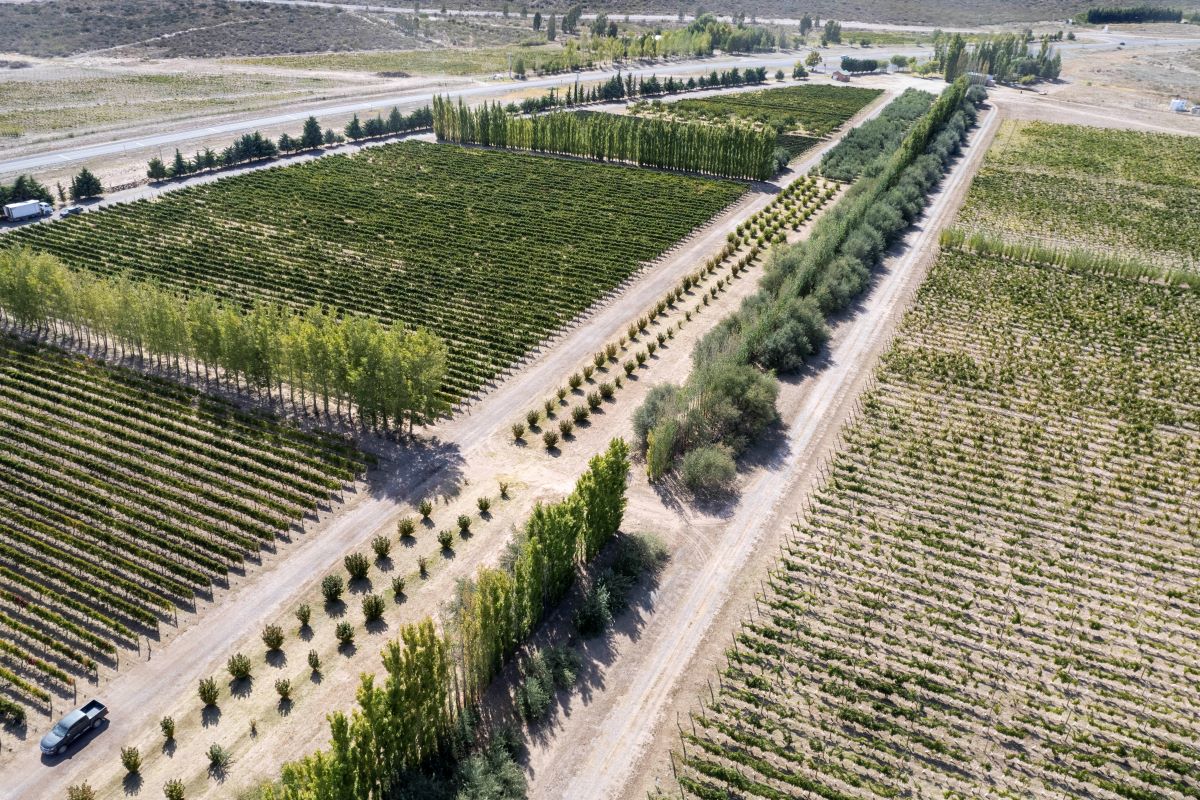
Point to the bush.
(314, 660)
(575, 381)
(426, 508)
(503, 485)
(332, 587)
(218, 758)
(406, 527)
(446, 540)
(382, 546)
(566, 427)
(532, 418)
(561, 394)
(131, 760)
(630, 367)
(167, 726)
(660, 404)
(272, 637)
(397, 586)
(708, 470)
(594, 400)
(208, 691)
(239, 666)
(651, 347)
(283, 687)
(82, 791)
(484, 504)
(464, 524)
(372, 607)
(518, 431)
(640, 356)
(344, 633)
(303, 615)
(550, 439)
(533, 698)
(173, 790)
(610, 352)
(606, 390)
(580, 414)
(594, 615)
(588, 372)
(423, 564)
(599, 359)
(356, 565)
(548, 408)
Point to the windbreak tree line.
(1114, 14)
(1004, 56)
(25, 187)
(618, 88)
(732, 151)
(729, 399)
(389, 374)
(411, 725)
(856, 65)
(861, 146)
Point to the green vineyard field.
(490, 251)
(815, 110)
(121, 496)
(1129, 194)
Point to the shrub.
(533, 697)
(426, 508)
(606, 390)
(314, 660)
(565, 427)
(503, 489)
(662, 338)
(406, 527)
(382, 546)
(708, 470)
(632, 331)
(356, 565)
(239, 666)
(575, 381)
(550, 439)
(594, 400)
(641, 357)
(484, 504)
(344, 633)
(131, 760)
(630, 367)
(532, 418)
(651, 347)
(372, 607)
(588, 372)
(548, 407)
(173, 789)
(580, 414)
(561, 394)
(272, 637)
(594, 615)
(642, 324)
(303, 615)
(283, 687)
(397, 586)
(332, 587)
(208, 691)
(446, 540)
(218, 758)
(167, 726)
(518, 431)
(464, 524)
(82, 791)
(598, 360)
(423, 565)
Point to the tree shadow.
(305, 633)
(385, 564)
(168, 747)
(376, 626)
(241, 687)
(210, 716)
(277, 658)
(348, 650)
(132, 783)
(335, 609)
(315, 677)
(284, 706)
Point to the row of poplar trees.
(389, 374)
(725, 150)
(407, 723)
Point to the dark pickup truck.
(72, 726)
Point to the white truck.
(28, 209)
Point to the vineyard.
(1125, 193)
(490, 251)
(814, 111)
(995, 593)
(122, 496)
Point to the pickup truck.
(72, 726)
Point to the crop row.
(121, 495)
(993, 593)
(489, 251)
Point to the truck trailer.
(27, 209)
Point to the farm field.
(490, 251)
(121, 496)
(814, 110)
(1117, 192)
(994, 594)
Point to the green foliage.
(532, 418)
(484, 504)
(594, 614)
(816, 110)
(1105, 15)
(239, 666)
(208, 691)
(174, 789)
(167, 726)
(426, 508)
(398, 586)
(314, 661)
(372, 607)
(283, 687)
(446, 539)
(85, 185)
(863, 145)
(464, 524)
(332, 587)
(81, 791)
(131, 760)
(566, 427)
(381, 546)
(406, 527)
(580, 414)
(272, 637)
(545, 671)
(344, 633)
(518, 431)
(219, 758)
(303, 615)
(708, 470)
(357, 565)
(550, 439)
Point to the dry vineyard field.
(1123, 193)
(120, 497)
(490, 251)
(995, 592)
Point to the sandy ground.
(455, 463)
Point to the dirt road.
(614, 745)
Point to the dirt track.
(615, 746)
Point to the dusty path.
(615, 745)
(459, 460)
